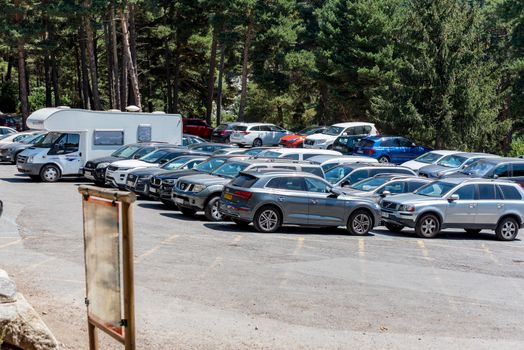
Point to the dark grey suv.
(272, 199)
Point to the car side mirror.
(454, 197)
(413, 144)
(495, 176)
(385, 194)
(335, 192)
(345, 183)
(164, 161)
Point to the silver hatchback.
(471, 204)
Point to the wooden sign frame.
(125, 200)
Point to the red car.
(11, 122)
(197, 127)
(297, 140)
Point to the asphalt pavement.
(202, 285)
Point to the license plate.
(228, 196)
(385, 215)
(130, 183)
(152, 190)
(180, 201)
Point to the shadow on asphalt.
(180, 216)
(446, 235)
(19, 178)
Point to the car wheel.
(211, 211)
(428, 226)
(267, 219)
(50, 173)
(187, 211)
(507, 229)
(360, 223)
(394, 227)
(472, 230)
(383, 159)
(257, 143)
(240, 223)
(330, 147)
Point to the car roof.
(305, 151)
(373, 165)
(501, 160)
(280, 172)
(444, 152)
(277, 161)
(461, 180)
(476, 154)
(396, 176)
(211, 144)
(348, 124)
(382, 137)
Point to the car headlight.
(292, 140)
(407, 207)
(30, 159)
(319, 142)
(102, 165)
(199, 188)
(124, 169)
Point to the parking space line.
(493, 258)
(298, 247)
(141, 257)
(361, 247)
(20, 240)
(35, 265)
(237, 239)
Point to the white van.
(76, 136)
(296, 153)
(326, 139)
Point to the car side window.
(287, 183)
(405, 142)
(466, 192)
(313, 170)
(317, 186)
(394, 187)
(185, 141)
(502, 171)
(358, 175)
(518, 170)
(510, 192)
(415, 185)
(291, 156)
(255, 128)
(265, 128)
(350, 131)
(284, 167)
(387, 143)
(366, 130)
(488, 192)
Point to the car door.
(405, 151)
(267, 135)
(324, 208)
(66, 152)
(291, 195)
(501, 172)
(490, 205)
(518, 173)
(462, 212)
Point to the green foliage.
(8, 97)
(517, 148)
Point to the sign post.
(108, 253)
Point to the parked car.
(116, 173)
(161, 185)
(297, 140)
(382, 185)
(495, 168)
(15, 137)
(345, 175)
(11, 122)
(6, 131)
(326, 139)
(188, 140)
(452, 163)
(95, 169)
(10, 151)
(432, 157)
(296, 153)
(390, 149)
(272, 199)
(329, 161)
(222, 132)
(257, 134)
(345, 144)
(209, 147)
(197, 127)
(471, 204)
(138, 181)
(202, 192)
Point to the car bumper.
(398, 218)
(29, 168)
(235, 211)
(315, 146)
(97, 175)
(116, 179)
(219, 139)
(188, 200)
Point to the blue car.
(389, 149)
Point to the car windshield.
(333, 130)
(33, 139)
(126, 151)
(210, 165)
(269, 154)
(308, 131)
(155, 156)
(452, 161)
(254, 151)
(230, 169)
(27, 138)
(435, 189)
(175, 163)
(48, 141)
(428, 158)
(479, 168)
(337, 173)
(370, 184)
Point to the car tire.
(394, 227)
(383, 159)
(257, 143)
(472, 231)
(240, 145)
(240, 223)
(211, 210)
(100, 183)
(35, 177)
(50, 173)
(360, 223)
(267, 219)
(428, 226)
(187, 211)
(507, 229)
(330, 147)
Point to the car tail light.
(224, 133)
(245, 132)
(369, 151)
(243, 194)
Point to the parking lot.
(202, 285)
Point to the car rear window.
(510, 192)
(244, 180)
(240, 128)
(313, 170)
(366, 143)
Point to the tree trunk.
(245, 67)
(176, 89)
(22, 82)
(132, 33)
(92, 59)
(211, 79)
(169, 88)
(78, 75)
(129, 66)
(54, 77)
(114, 53)
(219, 87)
(85, 71)
(47, 79)
(109, 62)
(322, 104)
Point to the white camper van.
(76, 135)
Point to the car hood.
(321, 137)
(436, 169)
(33, 151)
(291, 137)
(175, 174)
(146, 171)
(15, 145)
(133, 163)
(205, 179)
(415, 165)
(357, 193)
(411, 198)
(108, 159)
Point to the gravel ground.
(202, 285)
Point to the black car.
(221, 133)
(95, 169)
(209, 147)
(345, 143)
(495, 168)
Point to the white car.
(4, 130)
(297, 153)
(326, 139)
(427, 158)
(15, 137)
(327, 162)
(257, 134)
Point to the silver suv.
(472, 204)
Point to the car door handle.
(500, 206)
(280, 199)
(472, 205)
(314, 201)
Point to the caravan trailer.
(75, 136)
